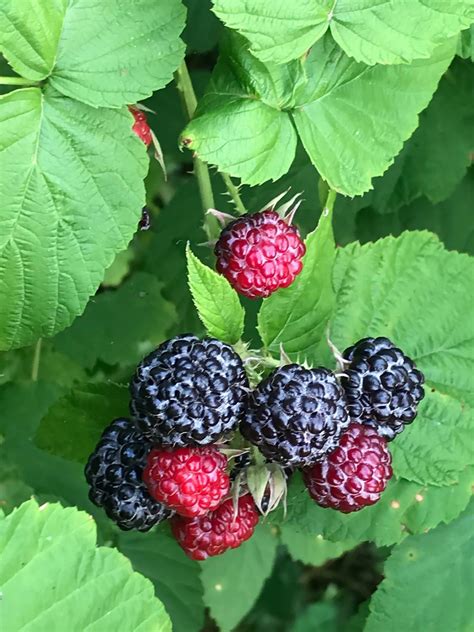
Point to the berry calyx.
(354, 475)
(189, 392)
(140, 126)
(192, 481)
(383, 388)
(114, 473)
(260, 253)
(296, 415)
(218, 531)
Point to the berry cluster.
(187, 399)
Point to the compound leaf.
(104, 53)
(392, 32)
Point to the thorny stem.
(185, 88)
(17, 81)
(234, 194)
(36, 360)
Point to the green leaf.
(439, 504)
(311, 548)
(217, 303)
(106, 53)
(73, 424)
(30, 45)
(240, 124)
(440, 150)
(404, 507)
(176, 578)
(392, 32)
(296, 317)
(72, 180)
(353, 119)
(121, 326)
(428, 582)
(402, 288)
(91, 588)
(233, 581)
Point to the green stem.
(234, 194)
(17, 81)
(36, 360)
(188, 96)
(330, 199)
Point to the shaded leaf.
(74, 423)
(120, 326)
(233, 581)
(176, 578)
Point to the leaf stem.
(17, 81)
(234, 194)
(36, 360)
(188, 96)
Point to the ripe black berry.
(114, 473)
(296, 415)
(383, 387)
(189, 392)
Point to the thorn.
(143, 108)
(284, 357)
(270, 206)
(282, 210)
(291, 215)
(222, 218)
(341, 361)
(158, 153)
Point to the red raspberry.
(191, 480)
(141, 127)
(259, 254)
(213, 534)
(355, 474)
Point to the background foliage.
(373, 98)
